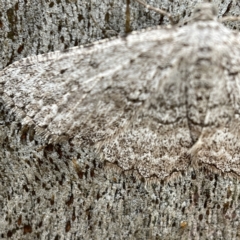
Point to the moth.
(156, 101)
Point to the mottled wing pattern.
(157, 139)
(155, 101)
(194, 114)
(84, 89)
(92, 95)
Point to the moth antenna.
(229, 18)
(158, 10)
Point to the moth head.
(205, 12)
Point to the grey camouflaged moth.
(156, 101)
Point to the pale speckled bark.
(57, 192)
(30, 27)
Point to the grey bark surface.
(29, 27)
(59, 190)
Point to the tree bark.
(60, 192)
(29, 27)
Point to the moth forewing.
(155, 101)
